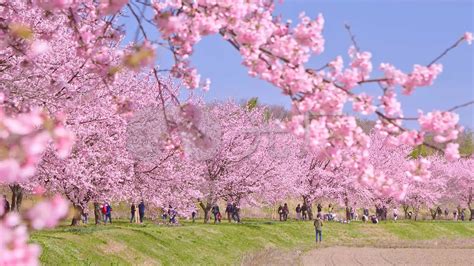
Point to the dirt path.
(422, 253)
(387, 256)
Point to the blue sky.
(400, 32)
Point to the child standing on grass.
(318, 226)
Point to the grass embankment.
(124, 243)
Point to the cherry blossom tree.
(64, 60)
(274, 51)
(237, 162)
(460, 182)
(428, 190)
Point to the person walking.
(172, 213)
(446, 213)
(133, 208)
(439, 212)
(395, 213)
(228, 211)
(141, 211)
(193, 216)
(366, 211)
(280, 212)
(286, 211)
(463, 214)
(108, 213)
(215, 212)
(304, 211)
(236, 213)
(104, 213)
(298, 212)
(318, 227)
(85, 216)
(320, 208)
(352, 213)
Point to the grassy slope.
(123, 243)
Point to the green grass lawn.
(124, 243)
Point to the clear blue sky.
(401, 32)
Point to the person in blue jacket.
(141, 211)
(108, 213)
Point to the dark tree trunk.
(308, 205)
(78, 211)
(310, 212)
(97, 213)
(348, 213)
(17, 197)
(405, 210)
(469, 205)
(433, 213)
(416, 212)
(206, 209)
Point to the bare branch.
(461, 106)
(446, 51)
(354, 42)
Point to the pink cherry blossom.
(109, 7)
(363, 104)
(46, 214)
(419, 169)
(54, 4)
(38, 47)
(421, 76)
(442, 124)
(452, 151)
(468, 37)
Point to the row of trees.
(66, 79)
(245, 157)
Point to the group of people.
(301, 211)
(106, 211)
(458, 214)
(283, 212)
(231, 210)
(137, 214)
(169, 216)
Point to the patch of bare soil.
(113, 247)
(430, 252)
(387, 256)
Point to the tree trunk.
(469, 203)
(433, 213)
(17, 197)
(405, 210)
(416, 212)
(206, 208)
(348, 213)
(309, 209)
(310, 212)
(78, 211)
(97, 213)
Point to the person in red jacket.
(104, 212)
